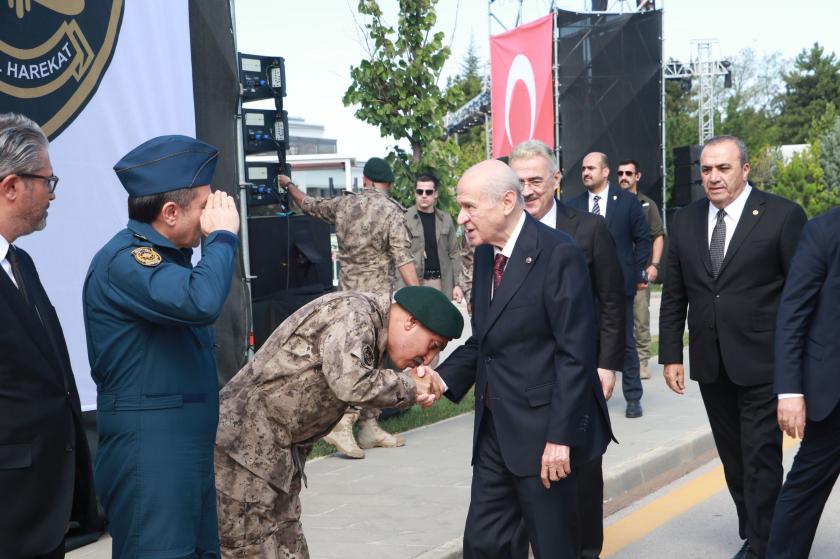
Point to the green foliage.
(412, 419)
(830, 156)
(397, 90)
(810, 88)
(802, 180)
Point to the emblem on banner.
(53, 54)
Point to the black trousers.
(749, 442)
(500, 500)
(590, 508)
(57, 553)
(807, 488)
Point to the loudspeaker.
(289, 252)
(687, 155)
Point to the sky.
(320, 40)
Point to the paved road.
(694, 518)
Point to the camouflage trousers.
(257, 521)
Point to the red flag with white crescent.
(521, 97)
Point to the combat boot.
(371, 435)
(341, 437)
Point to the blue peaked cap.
(167, 163)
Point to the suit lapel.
(612, 202)
(752, 214)
(520, 263)
(566, 220)
(701, 223)
(26, 313)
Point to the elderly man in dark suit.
(540, 410)
(806, 380)
(727, 261)
(45, 471)
(539, 176)
(629, 229)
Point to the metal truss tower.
(705, 67)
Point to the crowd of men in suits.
(758, 285)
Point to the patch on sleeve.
(367, 356)
(146, 256)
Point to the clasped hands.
(430, 386)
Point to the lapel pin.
(615, 196)
(528, 260)
(755, 212)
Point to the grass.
(417, 417)
(411, 419)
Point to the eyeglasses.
(534, 181)
(425, 192)
(625, 173)
(52, 180)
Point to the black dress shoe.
(745, 551)
(634, 409)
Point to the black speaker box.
(687, 155)
(289, 252)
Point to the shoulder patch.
(367, 356)
(146, 256)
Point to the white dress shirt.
(7, 266)
(550, 218)
(602, 201)
(733, 214)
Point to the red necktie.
(498, 269)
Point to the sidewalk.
(412, 501)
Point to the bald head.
(595, 171)
(491, 203)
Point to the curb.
(622, 478)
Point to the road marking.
(642, 522)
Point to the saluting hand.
(220, 214)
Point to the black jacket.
(45, 470)
(592, 236)
(532, 352)
(731, 319)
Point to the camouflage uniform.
(322, 358)
(373, 241)
(372, 237)
(465, 272)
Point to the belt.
(431, 274)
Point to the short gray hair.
(502, 182)
(742, 147)
(22, 144)
(534, 148)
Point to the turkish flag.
(521, 97)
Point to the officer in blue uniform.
(148, 314)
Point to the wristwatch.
(655, 265)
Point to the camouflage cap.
(432, 309)
(378, 170)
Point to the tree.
(810, 87)
(830, 156)
(469, 83)
(397, 90)
(802, 180)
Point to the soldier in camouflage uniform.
(373, 240)
(325, 356)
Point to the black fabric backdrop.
(216, 90)
(610, 95)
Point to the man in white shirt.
(727, 261)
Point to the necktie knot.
(498, 269)
(721, 215)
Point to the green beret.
(432, 309)
(378, 170)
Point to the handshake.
(430, 386)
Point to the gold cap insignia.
(146, 256)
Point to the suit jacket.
(629, 229)
(807, 353)
(447, 247)
(592, 236)
(532, 352)
(731, 319)
(45, 470)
